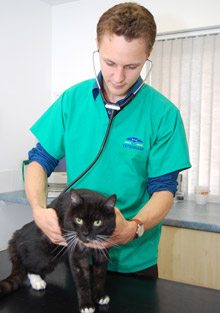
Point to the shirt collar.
(95, 89)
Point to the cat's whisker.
(72, 242)
(108, 236)
(102, 238)
(67, 233)
(56, 248)
(112, 243)
(69, 236)
(62, 251)
(103, 250)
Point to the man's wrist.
(139, 227)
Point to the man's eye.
(97, 222)
(78, 220)
(132, 67)
(109, 63)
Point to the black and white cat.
(84, 216)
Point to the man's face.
(121, 62)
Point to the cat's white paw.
(87, 310)
(104, 300)
(37, 282)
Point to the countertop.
(127, 294)
(185, 214)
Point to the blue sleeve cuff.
(164, 182)
(40, 155)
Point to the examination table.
(127, 294)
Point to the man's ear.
(97, 44)
(150, 52)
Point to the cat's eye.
(97, 222)
(78, 220)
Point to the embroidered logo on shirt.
(133, 143)
(132, 147)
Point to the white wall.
(25, 81)
(74, 31)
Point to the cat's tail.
(17, 276)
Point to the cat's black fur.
(79, 213)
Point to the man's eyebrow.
(107, 59)
(131, 64)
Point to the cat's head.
(91, 217)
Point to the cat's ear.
(110, 203)
(75, 198)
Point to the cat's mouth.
(86, 240)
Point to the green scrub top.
(147, 139)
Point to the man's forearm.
(151, 214)
(155, 209)
(36, 185)
(36, 191)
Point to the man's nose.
(119, 75)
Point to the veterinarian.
(143, 155)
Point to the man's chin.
(117, 94)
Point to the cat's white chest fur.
(37, 282)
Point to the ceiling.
(56, 2)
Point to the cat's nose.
(85, 233)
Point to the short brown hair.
(130, 20)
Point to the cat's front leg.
(79, 264)
(100, 262)
(36, 281)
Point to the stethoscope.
(115, 108)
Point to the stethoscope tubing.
(96, 158)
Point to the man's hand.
(123, 233)
(47, 220)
